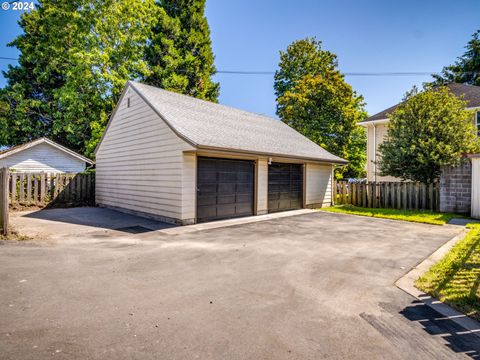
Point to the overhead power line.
(396, 73)
(248, 72)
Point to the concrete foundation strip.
(407, 284)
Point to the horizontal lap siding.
(43, 158)
(189, 188)
(318, 185)
(140, 163)
(262, 186)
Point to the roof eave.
(373, 122)
(323, 160)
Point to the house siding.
(376, 134)
(43, 158)
(140, 164)
(318, 186)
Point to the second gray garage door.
(285, 187)
(225, 188)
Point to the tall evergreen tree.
(314, 99)
(466, 69)
(180, 54)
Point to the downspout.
(374, 153)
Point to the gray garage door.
(225, 188)
(285, 187)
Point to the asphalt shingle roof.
(471, 94)
(213, 126)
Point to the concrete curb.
(232, 222)
(407, 284)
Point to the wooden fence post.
(4, 176)
(334, 192)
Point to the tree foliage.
(314, 99)
(75, 58)
(467, 68)
(430, 129)
(180, 53)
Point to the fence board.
(44, 189)
(13, 187)
(395, 195)
(35, 189)
(4, 178)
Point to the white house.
(184, 160)
(377, 127)
(43, 155)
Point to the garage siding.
(262, 186)
(318, 185)
(140, 163)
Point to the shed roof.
(470, 93)
(43, 140)
(207, 125)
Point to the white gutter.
(373, 122)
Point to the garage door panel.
(243, 209)
(207, 200)
(244, 199)
(245, 188)
(226, 210)
(225, 188)
(226, 199)
(207, 211)
(228, 177)
(285, 187)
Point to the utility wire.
(238, 72)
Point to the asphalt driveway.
(312, 286)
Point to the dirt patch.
(14, 235)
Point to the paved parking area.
(312, 286)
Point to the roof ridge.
(205, 101)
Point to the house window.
(477, 122)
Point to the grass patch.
(426, 217)
(455, 279)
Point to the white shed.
(184, 160)
(43, 155)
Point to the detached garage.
(184, 160)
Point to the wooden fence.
(51, 190)
(4, 201)
(389, 195)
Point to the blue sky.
(367, 36)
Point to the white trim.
(373, 122)
(33, 143)
(384, 121)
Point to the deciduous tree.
(430, 129)
(314, 99)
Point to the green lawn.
(427, 217)
(455, 279)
